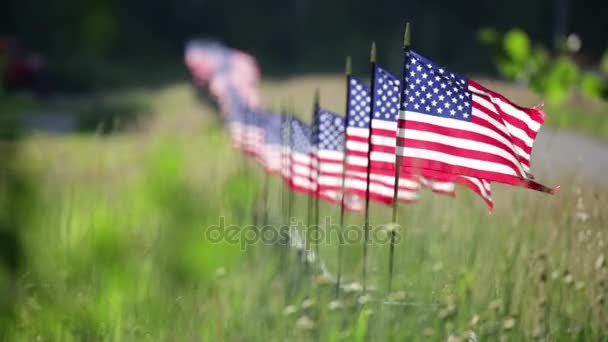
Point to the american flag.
(453, 125)
(328, 153)
(357, 149)
(302, 173)
(254, 133)
(237, 115)
(385, 111)
(272, 147)
(286, 150)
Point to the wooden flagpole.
(391, 259)
(366, 227)
(348, 72)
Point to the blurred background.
(111, 168)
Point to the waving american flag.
(357, 149)
(453, 125)
(385, 109)
(272, 147)
(303, 175)
(328, 152)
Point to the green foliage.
(553, 78)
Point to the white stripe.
(303, 182)
(330, 167)
(382, 156)
(384, 141)
(437, 186)
(328, 154)
(383, 124)
(301, 158)
(356, 160)
(359, 132)
(330, 181)
(456, 161)
(356, 146)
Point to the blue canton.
(330, 134)
(358, 104)
(300, 136)
(386, 96)
(273, 129)
(434, 90)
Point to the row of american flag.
(438, 127)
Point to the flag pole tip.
(407, 36)
(373, 53)
(349, 66)
(317, 95)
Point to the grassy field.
(116, 246)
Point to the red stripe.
(423, 165)
(381, 132)
(462, 134)
(515, 140)
(356, 138)
(461, 152)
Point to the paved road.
(559, 154)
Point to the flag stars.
(452, 112)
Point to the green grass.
(115, 248)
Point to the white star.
(460, 108)
(465, 115)
(423, 88)
(416, 106)
(447, 105)
(419, 68)
(434, 103)
(439, 110)
(454, 100)
(428, 95)
(413, 60)
(441, 97)
(422, 101)
(452, 112)
(412, 73)
(424, 75)
(428, 109)
(412, 99)
(430, 83)
(418, 81)
(440, 71)
(449, 93)
(443, 85)
(437, 78)
(435, 90)
(417, 94)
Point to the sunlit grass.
(116, 247)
